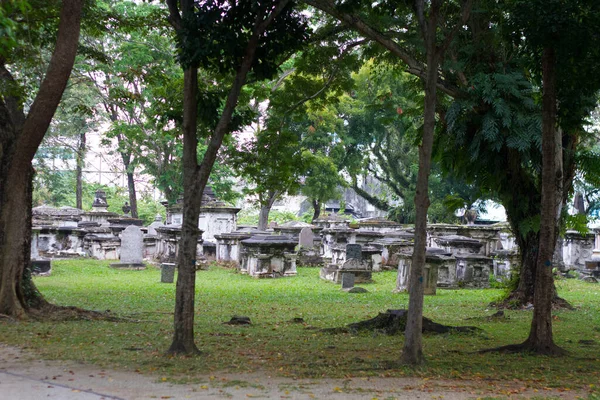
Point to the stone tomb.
(131, 254)
(229, 247)
(308, 251)
(268, 256)
(505, 263)
(390, 248)
(353, 263)
(435, 260)
(472, 269)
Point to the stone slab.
(132, 245)
(353, 251)
(347, 280)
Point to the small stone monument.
(126, 208)
(307, 238)
(347, 280)
(132, 245)
(41, 267)
(167, 272)
(100, 204)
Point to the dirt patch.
(23, 376)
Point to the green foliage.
(8, 27)
(215, 38)
(577, 222)
(55, 188)
(250, 217)
(148, 209)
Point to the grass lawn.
(276, 345)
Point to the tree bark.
(126, 157)
(132, 194)
(265, 209)
(79, 171)
(185, 294)
(317, 209)
(540, 338)
(412, 351)
(20, 138)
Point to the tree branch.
(54, 83)
(413, 66)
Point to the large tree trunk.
(412, 351)
(79, 171)
(540, 337)
(20, 138)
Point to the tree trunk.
(317, 208)
(540, 338)
(126, 157)
(196, 176)
(79, 171)
(412, 351)
(183, 337)
(265, 209)
(20, 138)
(132, 195)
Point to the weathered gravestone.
(306, 238)
(132, 246)
(353, 252)
(347, 280)
(167, 272)
(41, 267)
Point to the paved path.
(23, 377)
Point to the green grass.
(277, 345)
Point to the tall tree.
(255, 36)
(562, 41)
(431, 18)
(20, 136)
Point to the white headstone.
(307, 237)
(132, 245)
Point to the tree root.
(518, 300)
(7, 318)
(530, 348)
(51, 312)
(393, 322)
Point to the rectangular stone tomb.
(360, 270)
(473, 270)
(269, 256)
(229, 247)
(435, 260)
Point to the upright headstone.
(307, 237)
(347, 280)
(167, 272)
(132, 246)
(353, 252)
